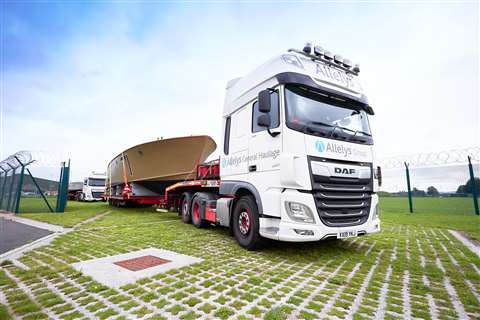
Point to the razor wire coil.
(432, 159)
(31, 158)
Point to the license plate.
(347, 234)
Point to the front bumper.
(284, 229)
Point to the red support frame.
(208, 176)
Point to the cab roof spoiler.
(304, 80)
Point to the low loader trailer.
(297, 161)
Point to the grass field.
(449, 213)
(74, 213)
(36, 204)
(412, 269)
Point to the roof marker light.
(356, 68)
(338, 59)
(307, 48)
(318, 51)
(347, 63)
(328, 55)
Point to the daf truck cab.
(297, 161)
(93, 187)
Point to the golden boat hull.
(164, 160)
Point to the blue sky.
(89, 79)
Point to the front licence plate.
(347, 234)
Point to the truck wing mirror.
(264, 120)
(264, 104)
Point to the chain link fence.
(424, 180)
(28, 183)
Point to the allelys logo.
(320, 146)
(334, 75)
(332, 147)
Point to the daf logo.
(344, 170)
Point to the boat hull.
(166, 160)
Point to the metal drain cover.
(141, 263)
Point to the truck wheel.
(246, 224)
(196, 217)
(185, 207)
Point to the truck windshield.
(95, 182)
(318, 114)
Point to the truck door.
(234, 162)
(264, 149)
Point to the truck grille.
(342, 202)
(97, 195)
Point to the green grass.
(448, 213)
(231, 283)
(3, 313)
(36, 204)
(75, 212)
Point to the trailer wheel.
(196, 217)
(246, 223)
(185, 207)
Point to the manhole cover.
(121, 269)
(141, 263)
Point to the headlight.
(299, 212)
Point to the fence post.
(20, 185)
(3, 187)
(410, 203)
(10, 193)
(474, 189)
(63, 187)
(60, 188)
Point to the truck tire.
(185, 207)
(246, 224)
(196, 207)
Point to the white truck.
(93, 187)
(297, 158)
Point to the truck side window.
(274, 114)
(226, 142)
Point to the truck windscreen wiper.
(314, 127)
(354, 131)
(363, 132)
(318, 123)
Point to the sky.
(86, 80)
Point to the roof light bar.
(326, 56)
(347, 63)
(338, 59)
(318, 51)
(307, 48)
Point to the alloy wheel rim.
(244, 222)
